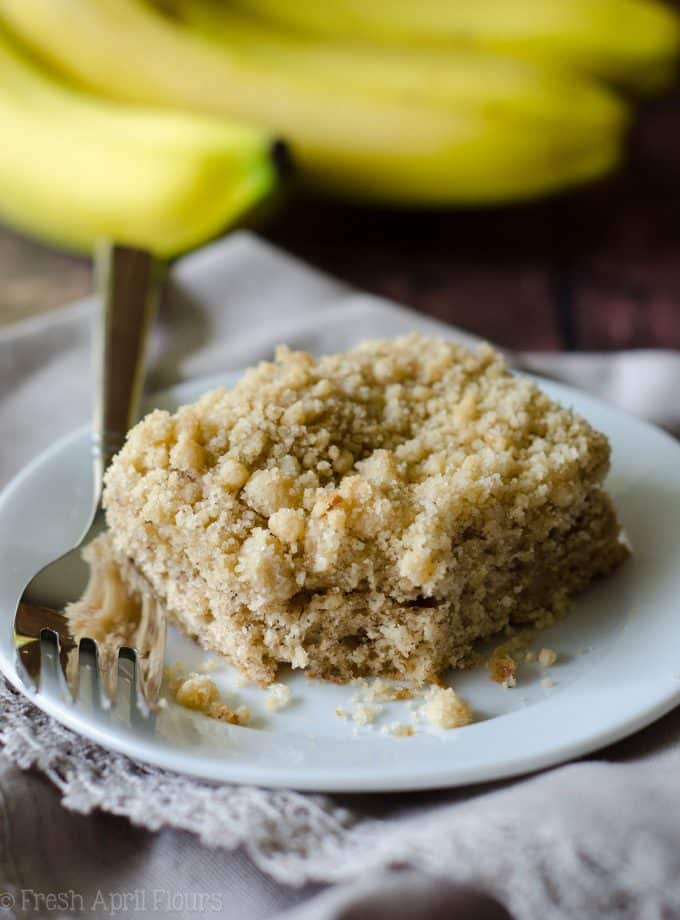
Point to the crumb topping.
(371, 512)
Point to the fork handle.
(128, 282)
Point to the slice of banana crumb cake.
(369, 513)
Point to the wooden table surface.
(598, 269)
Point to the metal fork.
(128, 281)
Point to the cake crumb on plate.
(502, 668)
(380, 691)
(445, 709)
(279, 697)
(366, 713)
(211, 664)
(200, 693)
(547, 657)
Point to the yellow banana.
(489, 82)
(379, 139)
(634, 43)
(74, 168)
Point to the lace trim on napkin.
(296, 838)
(284, 832)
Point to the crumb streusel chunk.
(199, 692)
(547, 657)
(279, 697)
(369, 513)
(445, 709)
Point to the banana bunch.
(633, 43)
(74, 168)
(427, 103)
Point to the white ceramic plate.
(618, 667)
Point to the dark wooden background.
(597, 269)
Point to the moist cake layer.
(372, 512)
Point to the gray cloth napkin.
(595, 839)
